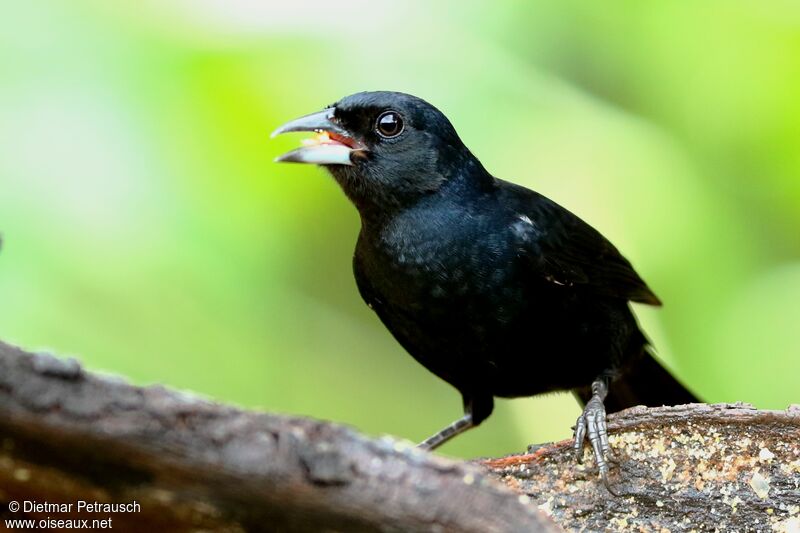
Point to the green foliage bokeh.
(147, 231)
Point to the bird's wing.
(567, 251)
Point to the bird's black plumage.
(494, 288)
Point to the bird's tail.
(645, 382)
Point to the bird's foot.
(592, 424)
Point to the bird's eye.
(389, 124)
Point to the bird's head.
(386, 149)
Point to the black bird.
(494, 288)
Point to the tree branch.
(69, 435)
(725, 467)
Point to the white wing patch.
(525, 219)
(524, 228)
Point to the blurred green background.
(148, 232)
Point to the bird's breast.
(441, 274)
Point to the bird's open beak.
(331, 146)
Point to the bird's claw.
(592, 424)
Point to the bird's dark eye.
(389, 124)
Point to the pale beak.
(332, 146)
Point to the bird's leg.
(477, 408)
(444, 435)
(592, 423)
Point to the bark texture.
(725, 467)
(191, 464)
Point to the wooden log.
(67, 435)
